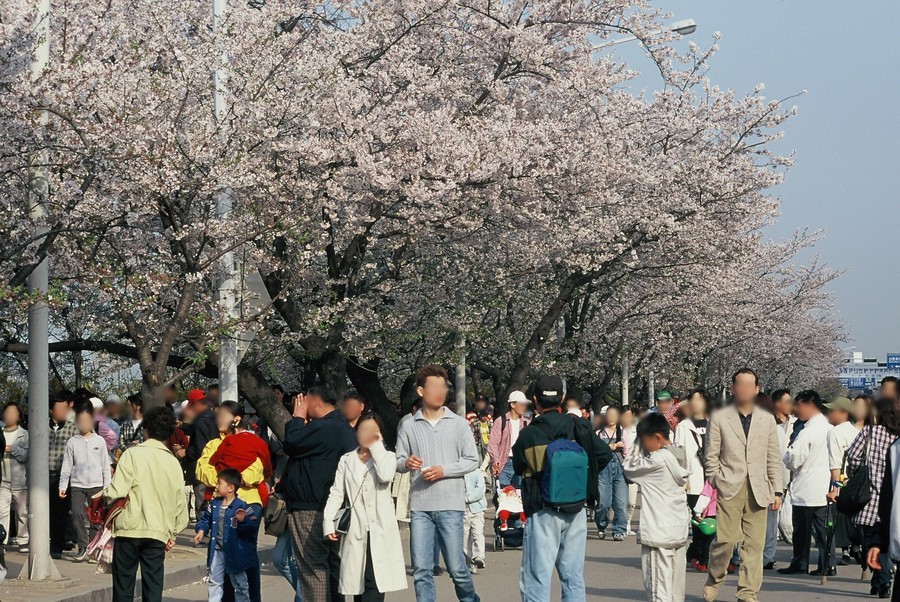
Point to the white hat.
(603, 409)
(95, 401)
(518, 397)
(113, 398)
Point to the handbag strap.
(361, 485)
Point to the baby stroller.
(509, 506)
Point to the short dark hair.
(230, 476)
(889, 379)
(82, 392)
(233, 407)
(213, 387)
(750, 371)
(84, 406)
(62, 396)
(765, 403)
(653, 424)
(779, 393)
(159, 423)
(430, 370)
(810, 396)
(356, 397)
(371, 416)
(325, 392)
(13, 404)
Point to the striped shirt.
(448, 444)
(878, 441)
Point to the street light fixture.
(684, 27)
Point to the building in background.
(860, 374)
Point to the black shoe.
(791, 571)
(56, 555)
(885, 592)
(818, 572)
(769, 566)
(438, 571)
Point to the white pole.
(39, 565)
(651, 389)
(228, 344)
(460, 382)
(625, 377)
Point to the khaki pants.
(663, 571)
(738, 521)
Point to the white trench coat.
(373, 506)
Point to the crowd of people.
(719, 485)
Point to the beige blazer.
(733, 459)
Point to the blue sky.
(846, 175)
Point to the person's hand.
(496, 468)
(331, 537)
(169, 545)
(198, 537)
(433, 473)
(181, 453)
(614, 446)
(300, 409)
(62, 493)
(832, 495)
(240, 514)
(872, 558)
(776, 505)
(414, 463)
(8, 448)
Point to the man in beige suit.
(743, 463)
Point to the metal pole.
(39, 565)
(651, 389)
(228, 344)
(460, 382)
(625, 377)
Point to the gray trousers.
(84, 531)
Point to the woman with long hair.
(871, 446)
(691, 435)
(766, 403)
(612, 486)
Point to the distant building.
(862, 375)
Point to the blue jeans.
(553, 539)
(445, 526)
(613, 494)
(508, 477)
(283, 560)
(771, 537)
(215, 586)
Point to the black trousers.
(128, 554)
(882, 578)
(370, 586)
(809, 522)
(59, 515)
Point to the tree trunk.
(365, 379)
(258, 391)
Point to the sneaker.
(630, 533)
(503, 525)
(885, 592)
(619, 537)
(479, 563)
(695, 564)
(91, 560)
(80, 555)
(56, 555)
(702, 568)
(472, 569)
(601, 534)
(769, 566)
(732, 569)
(23, 548)
(438, 571)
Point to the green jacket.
(151, 477)
(530, 450)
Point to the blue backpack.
(564, 476)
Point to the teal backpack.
(564, 478)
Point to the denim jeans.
(880, 578)
(445, 526)
(215, 584)
(613, 494)
(553, 539)
(508, 477)
(283, 560)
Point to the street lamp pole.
(625, 376)
(39, 566)
(226, 297)
(684, 27)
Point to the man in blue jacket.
(314, 441)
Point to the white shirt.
(807, 458)
(514, 426)
(839, 439)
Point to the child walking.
(85, 472)
(473, 527)
(14, 485)
(232, 527)
(659, 469)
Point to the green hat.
(664, 395)
(840, 403)
(707, 525)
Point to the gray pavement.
(612, 572)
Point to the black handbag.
(857, 490)
(342, 520)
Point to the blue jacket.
(239, 546)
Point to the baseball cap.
(95, 401)
(518, 397)
(549, 387)
(840, 403)
(603, 410)
(195, 395)
(664, 395)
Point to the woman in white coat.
(691, 435)
(371, 552)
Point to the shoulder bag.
(857, 490)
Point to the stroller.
(509, 506)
